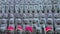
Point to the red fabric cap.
(10, 28)
(29, 28)
(48, 28)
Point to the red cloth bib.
(19, 27)
(29, 28)
(48, 28)
(10, 28)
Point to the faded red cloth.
(19, 27)
(29, 28)
(48, 28)
(10, 28)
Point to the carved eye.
(42, 11)
(19, 23)
(11, 23)
(42, 22)
(37, 11)
(49, 23)
(58, 23)
(34, 22)
(53, 11)
(33, 11)
(28, 11)
(47, 11)
(58, 11)
(30, 21)
(23, 11)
